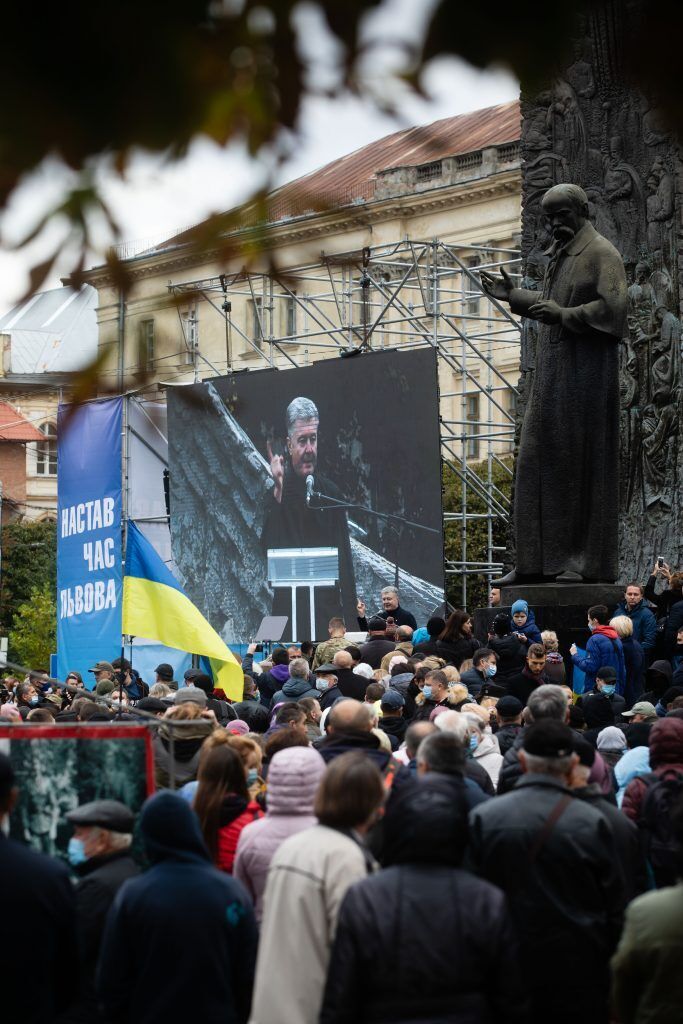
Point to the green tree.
(34, 630)
(476, 530)
(29, 560)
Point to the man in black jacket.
(392, 957)
(222, 710)
(531, 677)
(374, 649)
(392, 721)
(38, 913)
(391, 609)
(100, 855)
(555, 857)
(190, 914)
(547, 701)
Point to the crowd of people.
(428, 826)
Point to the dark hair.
(307, 704)
(374, 692)
(203, 682)
(290, 712)
(280, 656)
(599, 612)
(481, 654)
(281, 739)
(354, 652)
(221, 772)
(536, 651)
(40, 715)
(577, 719)
(350, 790)
(307, 647)
(435, 626)
(120, 663)
(633, 584)
(438, 676)
(399, 669)
(87, 709)
(453, 628)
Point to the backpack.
(660, 846)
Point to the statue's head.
(566, 208)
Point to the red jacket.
(228, 835)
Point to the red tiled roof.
(351, 177)
(15, 427)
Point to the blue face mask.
(257, 695)
(608, 690)
(252, 776)
(473, 743)
(591, 626)
(427, 691)
(34, 701)
(491, 671)
(75, 851)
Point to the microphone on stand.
(309, 488)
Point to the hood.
(296, 687)
(487, 745)
(663, 668)
(598, 711)
(426, 822)
(666, 742)
(607, 631)
(280, 672)
(401, 682)
(293, 778)
(169, 830)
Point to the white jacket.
(307, 880)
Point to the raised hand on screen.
(277, 468)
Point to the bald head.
(404, 634)
(415, 734)
(350, 714)
(342, 659)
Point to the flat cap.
(164, 670)
(102, 666)
(327, 667)
(189, 693)
(548, 738)
(392, 699)
(104, 813)
(509, 707)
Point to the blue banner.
(89, 555)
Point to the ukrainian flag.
(155, 606)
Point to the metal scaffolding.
(406, 294)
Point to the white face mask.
(321, 684)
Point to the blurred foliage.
(158, 74)
(33, 636)
(29, 560)
(476, 533)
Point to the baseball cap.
(606, 672)
(190, 693)
(164, 670)
(102, 666)
(377, 624)
(643, 707)
(191, 673)
(548, 738)
(509, 707)
(109, 814)
(392, 699)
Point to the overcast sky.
(160, 197)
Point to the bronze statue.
(567, 475)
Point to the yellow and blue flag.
(156, 607)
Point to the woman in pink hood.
(293, 778)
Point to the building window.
(255, 323)
(290, 316)
(147, 344)
(46, 451)
(472, 426)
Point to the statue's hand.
(497, 287)
(547, 311)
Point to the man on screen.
(294, 522)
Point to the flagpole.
(124, 528)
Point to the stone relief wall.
(590, 126)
